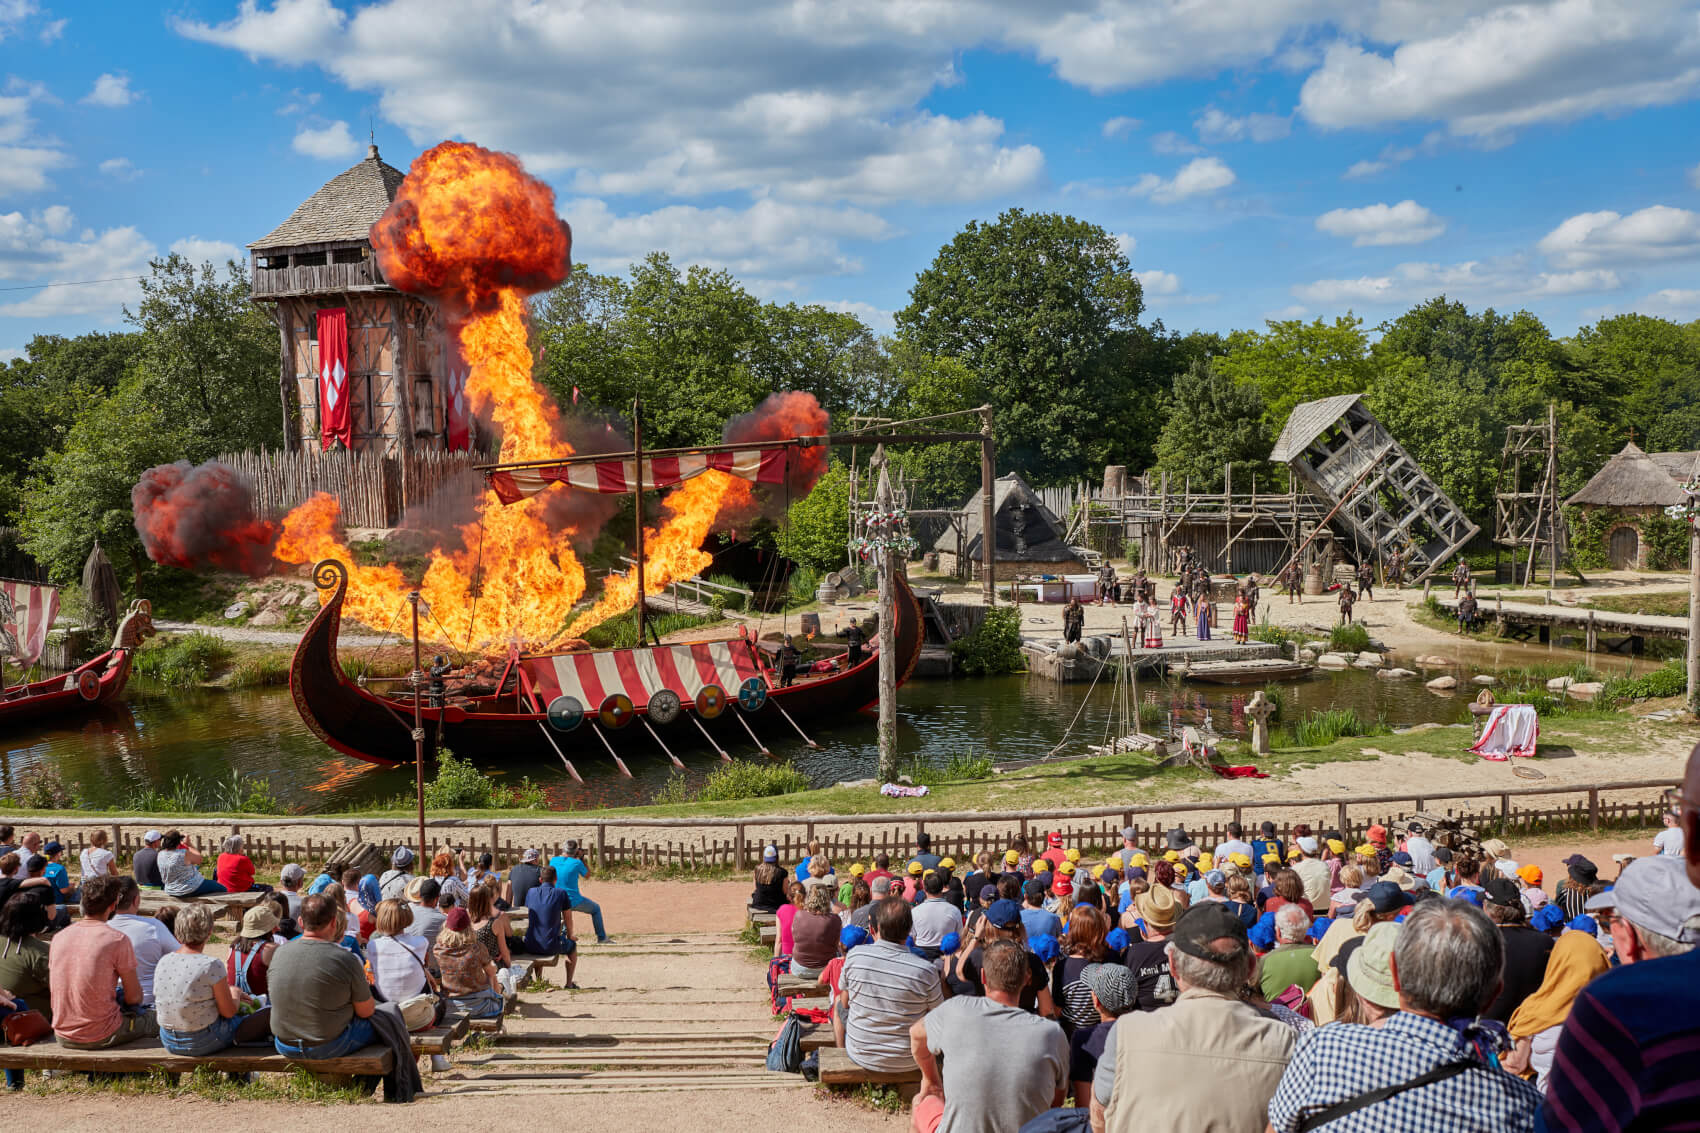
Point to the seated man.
(549, 927)
(887, 988)
(144, 867)
(321, 1002)
(1002, 1066)
(422, 895)
(148, 935)
(87, 963)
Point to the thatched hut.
(1623, 508)
(1029, 535)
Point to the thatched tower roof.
(345, 208)
(1632, 479)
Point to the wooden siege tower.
(1382, 499)
(321, 257)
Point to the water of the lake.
(159, 735)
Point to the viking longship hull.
(512, 725)
(97, 682)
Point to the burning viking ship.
(538, 705)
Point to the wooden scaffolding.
(1526, 512)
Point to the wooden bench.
(752, 917)
(227, 906)
(799, 987)
(363, 1068)
(437, 1040)
(818, 1036)
(836, 1069)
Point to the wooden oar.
(793, 723)
(663, 746)
(571, 770)
(617, 761)
(710, 739)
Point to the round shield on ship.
(711, 701)
(565, 713)
(616, 711)
(664, 707)
(752, 694)
(88, 684)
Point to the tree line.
(1038, 314)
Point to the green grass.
(296, 1086)
(259, 670)
(1672, 680)
(1348, 639)
(740, 779)
(1325, 726)
(1671, 603)
(183, 661)
(1274, 635)
(959, 767)
(728, 601)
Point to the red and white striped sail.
(641, 673)
(613, 477)
(26, 613)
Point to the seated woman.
(451, 879)
(468, 973)
(23, 954)
(252, 950)
(178, 862)
(794, 894)
(397, 957)
(286, 929)
(235, 869)
(360, 903)
(348, 930)
(769, 893)
(199, 1012)
(490, 926)
(485, 871)
(814, 934)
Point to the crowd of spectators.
(1395, 983)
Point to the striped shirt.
(888, 988)
(1627, 1056)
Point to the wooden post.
(1594, 809)
(1694, 606)
(738, 847)
(601, 842)
(988, 508)
(1342, 816)
(888, 566)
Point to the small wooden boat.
(94, 683)
(1245, 672)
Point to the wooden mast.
(637, 509)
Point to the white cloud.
(1292, 311)
(1486, 281)
(1511, 66)
(111, 90)
(32, 251)
(120, 168)
(934, 158)
(1694, 177)
(13, 13)
(25, 159)
(1120, 127)
(1155, 282)
(1362, 169)
(1375, 225)
(1655, 234)
(876, 319)
(326, 142)
(1672, 302)
(1125, 243)
(768, 239)
(1215, 126)
(1173, 144)
(216, 252)
(1198, 176)
(52, 30)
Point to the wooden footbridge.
(1525, 620)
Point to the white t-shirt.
(1669, 842)
(186, 982)
(151, 940)
(397, 965)
(96, 861)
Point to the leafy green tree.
(817, 526)
(1035, 305)
(1655, 363)
(1213, 421)
(830, 354)
(926, 385)
(1294, 361)
(1447, 427)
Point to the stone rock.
(270, 616)
(1430, 661)
(858, 783)
(1585, 690)
(1307, 655)
(288, 598)
(1368, 661)
(1317, 647)
(1378, 645)
(1333, 661)
(1443, 684)
(1396, 674)
(1485, 679)
(235, 610)
(1559, 684)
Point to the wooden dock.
(1525, 620)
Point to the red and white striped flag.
(26, 613)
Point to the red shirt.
(1055, 856)
(83, 965)
(1275, 903)
(873, 873)
(235, 872)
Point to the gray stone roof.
(1679, 466)
(1632, 479)
(1306, 422)
(344, 209)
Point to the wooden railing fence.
(736, 843)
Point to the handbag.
(24, 1028)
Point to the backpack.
(786, 1053)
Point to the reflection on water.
(161, 735)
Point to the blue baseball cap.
(853, 936)
(1003, 914)
(1045, 947)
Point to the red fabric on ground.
(1246, 771)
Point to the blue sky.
(1258, 158)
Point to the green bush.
(183, 662)
(45, 789)
(264, 670)
(1274, 634)
(1323, 727)
(1348, 639)
(960, 766)
(1276, 695)
(802, 584)
(1153, 715)
(458, 785)
(741, 779)
(994, 648)
(1672, 680)
(722, 600)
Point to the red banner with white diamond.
(336, 411)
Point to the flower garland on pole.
(885, 531)
(1688, 511)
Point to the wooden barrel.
(1314, 582)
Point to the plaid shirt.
(1342, 1060)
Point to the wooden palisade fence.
(375, 490)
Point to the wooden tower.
(321, 257)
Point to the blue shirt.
(59, 880)
(1038, 922)
(543, 935)
(567, 872)
(1261, 846)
